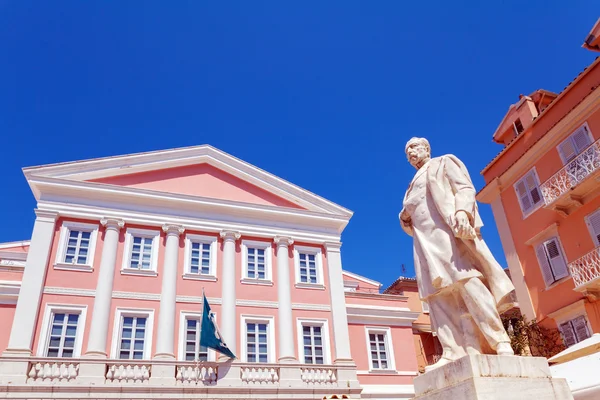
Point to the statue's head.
(418, 151)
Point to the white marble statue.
(457, 275)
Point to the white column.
(165, 337)
(286, 324)
(338, 304)
(229, 317)
(32, 285)
(102, 302)
(512, 258)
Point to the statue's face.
(417, 154)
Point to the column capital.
(283, 241)
(46, 215)
(112, 223)
(230, 235)
(171, 229)
(333, 246)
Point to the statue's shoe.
(504, 349)
(440, 363)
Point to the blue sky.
(323, 94)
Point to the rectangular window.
(308, 268)
(132, 337)
(141, 249)
(312, 341)
(193, 350)
(552, 260)
(593, 223)
(256, 262)
(257, 344)
(574, 330)
(528, 192)
(76, 246)
(518, 126)
(575, 144)
(63, 333)
(200, 258)
(378, 350)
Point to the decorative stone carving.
(457, 275)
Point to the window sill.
(73, 267)
(138, 272)
(556, 283)
(259, 282)
(382, 372)
(312, 286)
(199, 277)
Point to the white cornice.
(20, 243)
(142, 162)
(9, 291)
(361, 278)
(380, 315)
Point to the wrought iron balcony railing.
(586, 269)
(572, 174)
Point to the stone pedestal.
(490, 377)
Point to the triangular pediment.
(202, 180)
(202, 172)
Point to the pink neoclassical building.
(105, 299)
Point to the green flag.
(209, 333)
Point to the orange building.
(544, 191)
(427, 345)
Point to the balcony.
(567, 189)
(99, 379)
(586, 274)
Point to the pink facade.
(108, 293)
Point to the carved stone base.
(488, 377)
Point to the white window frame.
(425, 307)
(589, 133)
(388, 343)
(570, 319)
(324, 324)
(268, 248)
(534, 207)
(590, 228)
(183, 317)
(319, 264)
(52, 308)
(258, 319)
(187, 263)
(117, 328)
(65, 230)
(562, 253)
(129, 234)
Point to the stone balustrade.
(260, 375)
(323, 376)
(197, 374)
(42, 371)
(127, 372)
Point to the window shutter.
(581, 329)
(568, 334)
(581, 139)
(593, 222)
(567, 150)
(557, 259)
(523, 197)
(533, 188)
(544, 264)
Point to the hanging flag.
(209, 333)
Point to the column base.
(164, 356)
(344, 361)
(490, 377)
(17, 353)
(99, 355)
(287, 360)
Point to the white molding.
(311, 307)
(268, 248)
(317, 251)
(361, 278)
(387, 372)
(270, 320)
(116, 333)
(9, 292)
(387, 391)
(213, 242)
(45, 329)
(381, 315)
(18, 243)
(183, 315)
(127, 249)
(324, 323)
(389, 347)
(142, 162)
(257, 303)
(65, 229)
(70, 291)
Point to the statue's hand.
(462, 226)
